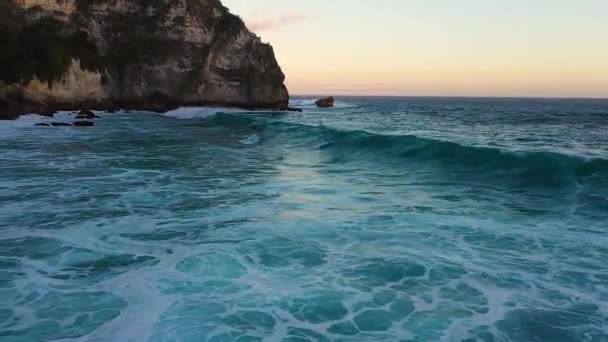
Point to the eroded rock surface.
(132, 54)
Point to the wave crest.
(429, 150)
(535, 167)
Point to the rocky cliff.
(137, 54)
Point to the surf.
(543, 166)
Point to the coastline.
(11, 110)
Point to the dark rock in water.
(85, 112)
(60, 124)
(85, 117)
(142, 55)
(47, 112)
(42, 124)
(294, 109)
(110, 111)
(326, 102)
(84, 123)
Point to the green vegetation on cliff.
(43, 50)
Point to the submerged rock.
(42, 124)
(138, 54)
(91, 116)
(60, 124)
(326, 102)
(48, 112)
(87, 113)
(294, 109)
(84, 123)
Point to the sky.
(540, 48)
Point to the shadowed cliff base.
(12, 108)
(108, 55)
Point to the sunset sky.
(547, 48)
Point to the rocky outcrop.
(326, 102)
(132, 54)
(84, 123)
(87, 114)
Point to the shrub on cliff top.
(229, 26)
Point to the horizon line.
(529, 97)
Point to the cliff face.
(147, 54)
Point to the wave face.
(489, 160)
(382, 219)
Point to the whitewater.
(382, 219)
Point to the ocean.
(382, 219)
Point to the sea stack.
(136, 54)
(326, 102)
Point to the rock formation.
(131, 54)
(84, 123)
(326, 102)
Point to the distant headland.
(137, 54)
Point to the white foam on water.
(253, 139)
(232, 243)
(26, 123)
(30, 120)
(186, 113)
(302, 102)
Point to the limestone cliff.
(143, 54)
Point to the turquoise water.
(384, 219)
